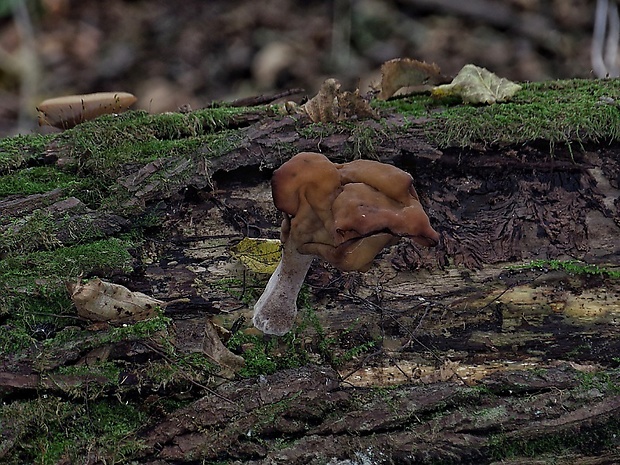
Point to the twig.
(264, 99)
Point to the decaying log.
(305, 415)
(453, 353)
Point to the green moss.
(35, 281)
(577, 110)
(264, 356)
(138, 137)
(597, 439)
(36, 180)
(417, 106)
(306, 342)
(573, 267)
(362, 143)
(361, 139)
(25, 234)
(48, 429)
(140, 330)
(179, 369)
(320, 130)
(602, 380)
(17, 151)
(108, 370)
(257, 356)
(14, 338)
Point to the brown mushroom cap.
(391, 181)
(307, 176)
(347, 213)
(361, 210)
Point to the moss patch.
(578, 110)
(36, 180)
(573, 267)
(105, 144)
(35, 280)
(597, 439)
(48, 429)
(19, 150)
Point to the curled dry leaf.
(217, 351)
(407, 72)
(66, 112)
(98, 300)
(478, 85)
(331, 105)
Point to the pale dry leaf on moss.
(478, 85)
(99, 300)
(331, 104)
(258, 255)
(407, 72)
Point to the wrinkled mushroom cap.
(347, 213)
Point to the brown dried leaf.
(218, 352)
(98, 300)
(323, 107)
(352, 105)
(331, 105)
(407, 72)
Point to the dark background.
(193, 52)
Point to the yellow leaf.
(258, 255)
(478, 85)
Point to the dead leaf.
(331, 105)
(218, 352)
(407, 72)
(478, 85)
(98, 300)
(258, 255)
(323, 107)
(352, 105)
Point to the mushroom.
(343, 213)
(68, 111)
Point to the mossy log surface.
(501, 345)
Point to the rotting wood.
(445, 325)
(416, 424)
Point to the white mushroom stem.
(275, 311)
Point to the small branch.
(264, 99)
